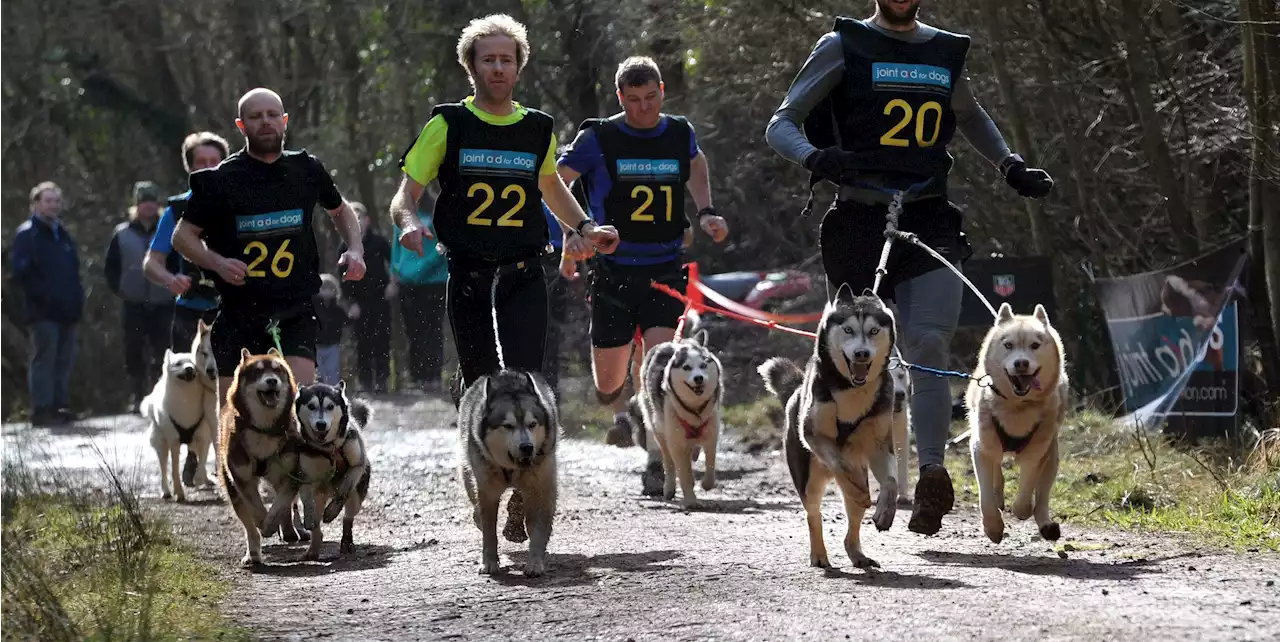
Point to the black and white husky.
(679, 405)
(333, 471)
(839, 417)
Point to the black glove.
(826, 163)
(1028, 181)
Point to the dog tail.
(360, 412)
(781, 377)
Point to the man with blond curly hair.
(495, 162)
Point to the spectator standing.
(331, 315)
(422, 281)
(46, 269)
(370, 307)
(147, 310)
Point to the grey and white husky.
(839, 416)
(508, 430)
(679, 407)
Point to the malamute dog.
(256, 426)
(176, 410)
(839, 416)
(333, 469)
(901, 421)
(509, 428)
(679, 405)
(1018, 413)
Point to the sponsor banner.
(663, 170)
(498, 162)
(1175, 336)
(894, 75)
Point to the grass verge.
(85, 565)
(1113, 477)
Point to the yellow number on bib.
(639, 214)
(282, 255)
(890, 138)
(506, 220)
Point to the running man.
(495, 161)
(637, 165)
(248, 221)
(897, 92)
(197, 295)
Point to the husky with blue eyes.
(839, 418)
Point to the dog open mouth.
(524, 462)
(269, 397)
(697, 389)
(1024, 383)
(187, 375)
(858, 371)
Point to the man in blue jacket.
(46, 269)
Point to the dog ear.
(844, 293)
(168, 355)
(275, 352)
(700, 338)
(1005, 314)
(244, 355)
(1042, 315)
(342, 386)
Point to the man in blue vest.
(879, 100)
(197, 295)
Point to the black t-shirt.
(377, 263)
(261, 214)
(647, 176)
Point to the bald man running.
(249, 222)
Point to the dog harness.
(692, 431)
(185, 434)
(1012, 444)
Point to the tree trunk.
(1264, 211)
(349, 60)
(580, 32)
(1021, 135)
(1154, 144)
(664, 45)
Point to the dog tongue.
(1035, 383)
(860, 370)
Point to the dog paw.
(181, 498)
(862, 561)
(905, 501)
(489, 567)
(994, 533)
(1051, 531)
(669, 493)
(1022, 510)
(708, 482)
(651, 483)
(311, 555)
(819, 561)
(347, 546)
(535, 568)
(291, 535)
(249, 560)
(690, 503)
(166, 497)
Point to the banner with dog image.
(1175, 336)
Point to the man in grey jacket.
(879, 100)
(147, 308)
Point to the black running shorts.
(622, 299)
(244, 325)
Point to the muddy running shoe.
(514, 530)
(934, 498)
(189, 471)
(620, 434)
(651, 479)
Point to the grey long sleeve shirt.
(821, 74)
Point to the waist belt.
(879, 197)
(475, 267)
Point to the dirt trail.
(625, 567)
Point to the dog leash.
(984, 381)
(273, 329)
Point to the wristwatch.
(581, 223)
(706, 211)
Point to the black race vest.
(203, 286)
(647, 176)
(892, 107)
(490, 207)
